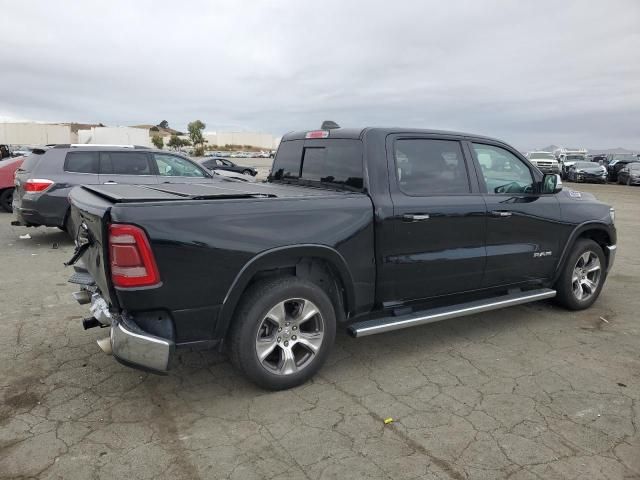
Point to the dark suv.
(46, 177)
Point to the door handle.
(415, 217)
(109, 182)
(501, 213)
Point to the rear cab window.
(333, 163)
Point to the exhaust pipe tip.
(105, 344)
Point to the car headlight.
(612, 214)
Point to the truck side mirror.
(551, 183)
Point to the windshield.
(586, 165)
(575, 157)
(624, 156)
(545, 155)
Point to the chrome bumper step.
(387, 324)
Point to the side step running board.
(387, 324)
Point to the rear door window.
(81, 162)
(430, 167)
(125, 163)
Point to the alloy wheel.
(289, 336)
(586, 275)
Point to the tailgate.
(89, 214)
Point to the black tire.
(566, 295)
(247, 172)
(6, 197)
(629, 181)
(249, 318)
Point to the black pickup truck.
(372, 230)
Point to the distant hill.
(551, 148)
(155, 129)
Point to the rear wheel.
(282, 332)
(6, 198)
(247, 172)
(583, 276)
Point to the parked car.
(630, 174)
(376, 229)
(618, 161)
(233, 175)
(46, 177)
(587, 172)
(224, 164)
(568, 160)
(599, 158)
(8, 167)
(545, 161)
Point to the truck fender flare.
(577, 231)
(280, 257)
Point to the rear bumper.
(28, 218)
(134, 347)
(130, 344)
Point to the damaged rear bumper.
(127, 341)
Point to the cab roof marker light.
(317, 134)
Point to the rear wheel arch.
(319, 264)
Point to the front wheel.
(247, 172)
(6, 198)
(282, 332)
(583, 276)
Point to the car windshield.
(575, 157)
(546, 155)
(585, 165)
(624, 156)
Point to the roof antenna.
(329, 125)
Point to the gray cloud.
(528, 72)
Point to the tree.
(157, 141)
(176, 142)
(163, 124)
(195, 132)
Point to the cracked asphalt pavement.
(528, 392)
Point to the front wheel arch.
(598, 232)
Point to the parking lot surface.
(528, 392)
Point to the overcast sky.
(529, 72)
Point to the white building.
(30, 133)
(115, 136)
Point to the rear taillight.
(131, 258)
(34, 185)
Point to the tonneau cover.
(121, 193)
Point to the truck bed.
(203, 235)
